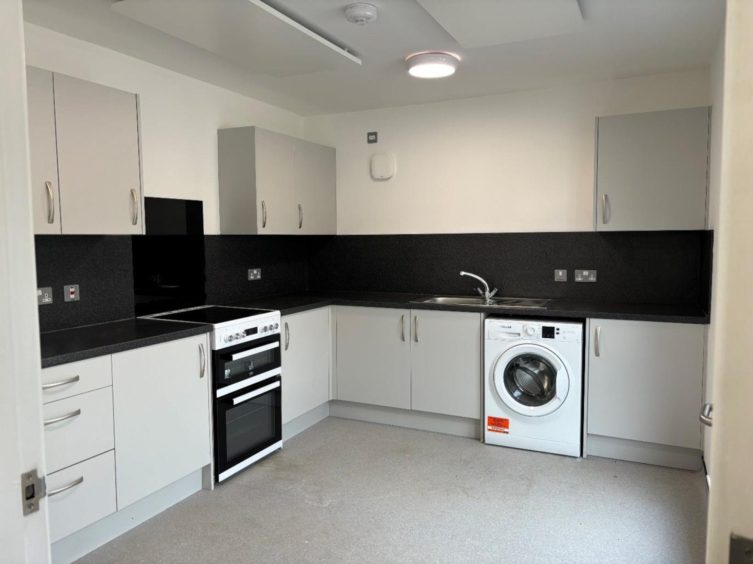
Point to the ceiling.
(560, 41)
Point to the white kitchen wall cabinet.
(161, 405)
(651, 170)
(45, 194)
(272, 183)
(305, 362)
(645, 381)
(373, 356)
(446, 363)
(98, 158)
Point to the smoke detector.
(361, 13)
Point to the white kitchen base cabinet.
(80, 495)
(446, 363)
(161, 405)
(410, 359)
(645, 383)
(373, 356)
(305, 362)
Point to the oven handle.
(257, 350)
(252, 381)
(256, 393)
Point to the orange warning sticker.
(498, 425)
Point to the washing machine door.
(531, 380)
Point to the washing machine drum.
(531, 380)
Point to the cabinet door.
(645, 381)
(305, 362)
(161, 411)
(315, 188)
(373, 356)
(98, 153)
(651, 171)
(45, 195)
(277, 210)
(446, 363)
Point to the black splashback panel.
(662, 267)
(100, 264)
(284, 261)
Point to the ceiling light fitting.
(432, 64)
(361, 13)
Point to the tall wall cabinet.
(274, 184)
(85, 160)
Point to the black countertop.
(564, 309)
(70, 345)
(80, 343)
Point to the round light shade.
(432, 64)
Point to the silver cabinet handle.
(604, 209)
(597, 341)
(263, 214)
(66, 487)
(65, 417)
(402, 328)
(71, 380)
(705, 415)
(287, 335)
(134, 207)
(415, 328)
(300, 216)
(202, 360)
(50, 202)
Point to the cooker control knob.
(226, 339)
(239, 335)
(264, 329)
(230, 338)
(277, 325)
(529, 330)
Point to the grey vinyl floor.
(347, 491)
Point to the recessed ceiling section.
(485, 23)
(249, 33)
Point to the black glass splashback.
(171, 216)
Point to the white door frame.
(23, 539)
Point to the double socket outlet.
(560, 275)
(70, 294)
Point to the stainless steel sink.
(521, 303)
(455, 300)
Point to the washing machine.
(533, 385)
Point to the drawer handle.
(415, 325)
(71, 380)
(65, 417)
(66, 487)
(202, 361)
(287, 336)
(402, 328)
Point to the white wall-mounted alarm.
(382, 166)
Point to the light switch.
(71, 293)
(560, 275)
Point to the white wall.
(179, 115)
(731, 492)
(515, 162)
(715, 180)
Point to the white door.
(373, 356)
(277, 211)
(645, 381)
(23, 539)
(98, 156)
(731, 493)
(306, 348)
(315, 188)
(161, 413)
(651, 170)
(446, 363)
(45, 195)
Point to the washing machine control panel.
(503, 330)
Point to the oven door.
(241, 366)
(247, 426)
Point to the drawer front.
(85, 428)
(84, 503)
(67, 380)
